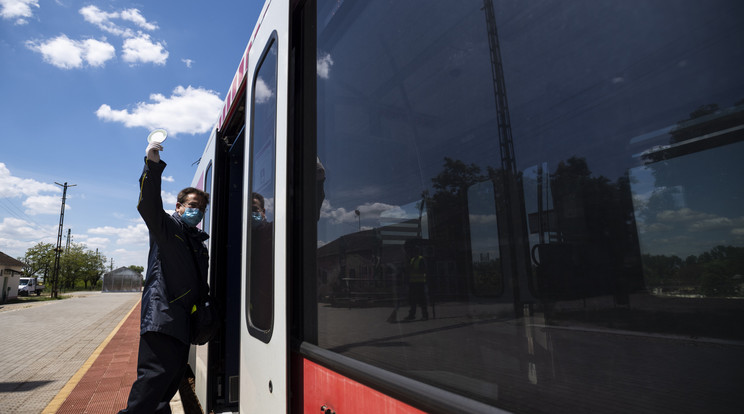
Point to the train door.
(263, 385)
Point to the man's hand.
(153, 151)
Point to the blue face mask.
(192, 216)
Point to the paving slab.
(44, 345)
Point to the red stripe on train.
(323, 387)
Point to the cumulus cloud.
(106, 20)
(141, 49)
(44, 205)
(169, 199)
(17, 235)
(135, 234)
(20, 10)
(188, 110)
(11, 186)
(66, 53)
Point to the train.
(479, 206)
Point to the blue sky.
(82, 84)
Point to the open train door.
(263, 361)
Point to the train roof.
(238, 80)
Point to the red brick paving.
(105, 386)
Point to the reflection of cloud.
(711, 224)
(263, 92)
(682, 215)
(658, 227)
(324, 64)
(368, 211)
(482, 219)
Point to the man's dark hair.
(191, 190)
(260, 199)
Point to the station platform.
(102, 384)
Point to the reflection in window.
(262, 183)
(547, 223)
(690, 224)
(208, 189)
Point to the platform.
(102, 384)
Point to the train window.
(573, 245)
(262, 186)
(208, 189)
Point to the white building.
(10, 275)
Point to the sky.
(82, 84)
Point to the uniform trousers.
(161, 363)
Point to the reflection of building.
(10, 274)
(365, 266)
(122, 279)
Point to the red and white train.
(555, 186)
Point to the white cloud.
(188, 110)
(44, 205)
(168, 178)
(134, 16)
(17, 236)
(11, 186)
(17, 9)
(323, 66)
(188, 62)
(136, 235)
(105, 20)
(66, 53)
(169, 199)
(141, 49)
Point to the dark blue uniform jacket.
(173, 283)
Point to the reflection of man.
(416, 272)
(262, 265)
(171, 289)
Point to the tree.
(77, 263)
(138, 269)
(95, 266)
(39, 259)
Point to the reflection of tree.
(448, 216)
(597, 247)
(717, 272)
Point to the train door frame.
(264, 386)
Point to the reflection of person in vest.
(416, 273)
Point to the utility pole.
(58, 250)
(67, 245)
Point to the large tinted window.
(556, 187)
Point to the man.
(416, 272)
(176, 272)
